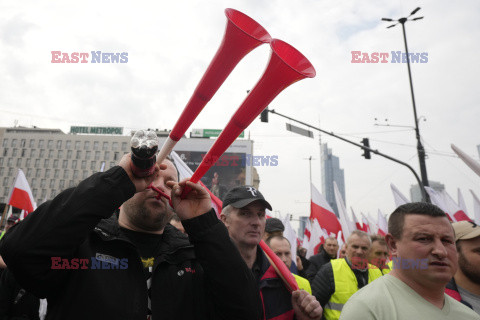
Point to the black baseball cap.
(274, 224)
(239, 197)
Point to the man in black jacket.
(328, 251)
(91, 264)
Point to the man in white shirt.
(422, 242)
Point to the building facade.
(53, 160)
(331, 172)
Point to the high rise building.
(416, 195)
(331, 172)
(53, 160)
(301, 226)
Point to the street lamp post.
(420, 149)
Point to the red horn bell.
(286, 66)
(242, 35)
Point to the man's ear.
(223, 218)
(391, 244)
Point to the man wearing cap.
(328, 251)
(465, 285)
(273, 227)
(243, 213)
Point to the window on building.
(92, 165)
(79, 154)
(5, 152)
(85, 175)
(31, 143)
(23, 142)
(50, 144)
(50, 153)
(47, 173)
(97, 155)
(60, 153)
(5, 143)
(74, 164)
(37, 173)
(71, 184)
(112, 164)
(52, 183)
(55, 163)
(59, 144)
(32, 153)
(124, 146)
(75, 174)
(68, 145)
(10, 172)
(14, 152)
(41, 143)
(46, 163)
(34, 182)
(95, 145)
(107, 155)
(66, 174)
(10, 162)
(5, 181)
(116, 156)
(28, 162)
(43, 183)
(77, 145)
(19, 162)
(34, 192)
(88, 155)
(65, 164)
(23, 153)
(42, 153)
(84, 164)
(44, 194)
(37, 163)
(1, 161)
(14, 143)
(69, 154)
(1, 171)
(52, 194)
(56, 174)
(87, 145)
(29, 172)
(105, 146)
(61, 184)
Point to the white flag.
(342, 212)
(398, 197)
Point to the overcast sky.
(170, 44)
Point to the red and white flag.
(358, 225)
(347, 225)
(185, 172)
(321, 211)
(398, 197)
(454, 209)
(290, 234)
(21, 196)
(382, 224)
(317, 237)
(307, 233)
(366, 224)
(437, 199)
(476, 207)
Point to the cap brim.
(475, 233)
(245, 202)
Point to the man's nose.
(439, 249)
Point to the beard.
(145, 217)
(469, 270)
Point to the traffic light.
(366, 153)
(264, 115)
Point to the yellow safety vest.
(302, 283)
(388, 268)
(345, 286)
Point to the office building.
(331, 172)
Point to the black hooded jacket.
(71, 251)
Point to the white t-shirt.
(390, 298)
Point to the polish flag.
(398, 197)
(382, 224)
(476, 207)
(185, 173)
(437, 199)
(307, 234)
(454, 209)
(357, 224)
(317, 238)
(323, 213)
(291, 235)
(347, 225)
(366, 224)
(21, 196)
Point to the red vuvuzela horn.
(242, 35)
(286, 66)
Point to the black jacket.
(202, 279)
(316, 262)
(15, 302)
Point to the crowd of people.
(110, 248)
